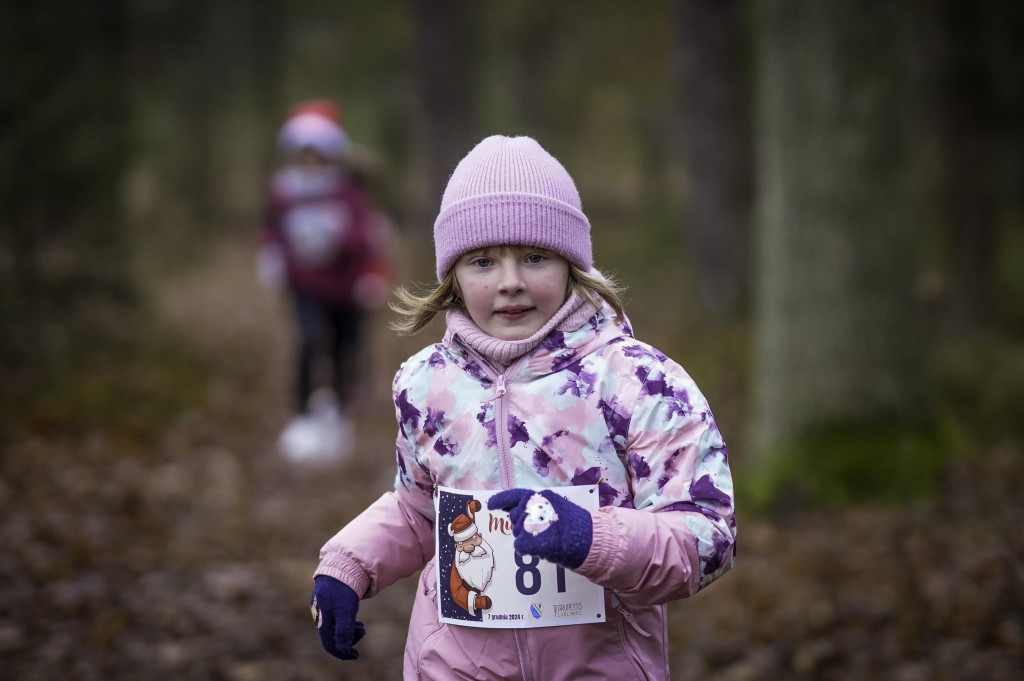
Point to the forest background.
(817, 208)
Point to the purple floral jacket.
(593, 406)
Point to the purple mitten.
(566, 539)
(334, 606)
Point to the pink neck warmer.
(573, 314)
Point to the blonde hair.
(416, 310)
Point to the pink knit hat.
(509, 190)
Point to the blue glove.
(334, 607)
(565, 542)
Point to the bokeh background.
(817, 207)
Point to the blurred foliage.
(843, 465)
(149, 530)
(131, 384)
(980, 381)
(1009, 273)
(135, 135)
(977, 389)
(63, 246)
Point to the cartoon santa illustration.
(473, 564)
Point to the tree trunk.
(716, 129)
(443, 57)
(966, 124)
(269, 46)
(62, 156)
(838, 218)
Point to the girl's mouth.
(512, 312)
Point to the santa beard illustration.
(471, 575)
(476, 568)
(473, 563)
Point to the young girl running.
(537, 397)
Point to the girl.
(537, 385)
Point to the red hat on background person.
(327, 108)
(315, 124)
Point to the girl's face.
(512, 291)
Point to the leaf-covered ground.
(188, 555)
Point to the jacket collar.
(557, 350)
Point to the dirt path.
(282, 512)
(191, 558)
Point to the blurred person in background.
(325, 242)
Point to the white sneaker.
(321, 436)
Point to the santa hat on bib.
(464, 527)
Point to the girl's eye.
(481, 262)
(535, 258)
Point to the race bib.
(483, 582)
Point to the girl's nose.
(511, 277)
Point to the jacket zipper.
(501, 431)
(503, 438)
(501, 381)
(625, 616)
(508, 480)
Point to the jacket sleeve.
(394, 537)
(680, 536)
(383, 544)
